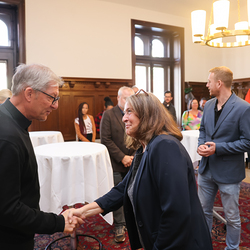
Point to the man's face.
(42, 104)
(168, 98)
(122, 98)
(202, 103)
(212, 85)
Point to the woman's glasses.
(141, 90)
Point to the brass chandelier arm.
(208, 40)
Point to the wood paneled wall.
(241, 87)
(73, 92)
(77, 90)
(199, 90)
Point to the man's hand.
(127, 160)
(206, 149)
(73, 223)
(84, 212)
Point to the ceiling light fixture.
(218, 31)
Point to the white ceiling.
(179, 7)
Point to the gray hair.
(121, 89)
(36, 76)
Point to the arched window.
(158, 60)
(3, 75)
(157, 48)
(11, 39)
(4, 38)
(139, 46)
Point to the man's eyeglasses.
(55, 99)
(141, 90)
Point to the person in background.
(168, 105)
(112, 132)
(108, 105)
(224, 137)
(202, 103)
(191, 118)
(35, 95)
(159, 194)
(247, 99)
(85, 124)
(4, 94)
(135, 88)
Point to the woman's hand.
(85, 211)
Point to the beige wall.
(91, 38)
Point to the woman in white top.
(84, 124)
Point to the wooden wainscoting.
(73, 92)
(241, 87)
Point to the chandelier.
(218, 31)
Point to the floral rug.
(98, 227)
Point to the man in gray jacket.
(112, 131)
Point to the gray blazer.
(112, 131)
(232, 137)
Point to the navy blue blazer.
(231, 136)
(168, 212)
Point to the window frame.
(16, 52)
(175, 59)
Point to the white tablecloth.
(45, 137)
(190, 142)
(73, 172)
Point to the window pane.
(3, 75)
(139, 46)
(4, 39)
(141, 77)
(158, 82)
(157, 48)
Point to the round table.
(45, 137)
(190, 142)
(73, 172)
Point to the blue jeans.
(207, 190)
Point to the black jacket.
(20, 217)
(167, 208)
(171, 109)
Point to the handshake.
(75, 217)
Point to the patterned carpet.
(218, 231)
(97, 227)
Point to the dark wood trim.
(97, 81)
(242, 80)
(133, 49)
(241, 86)
(21, 28)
